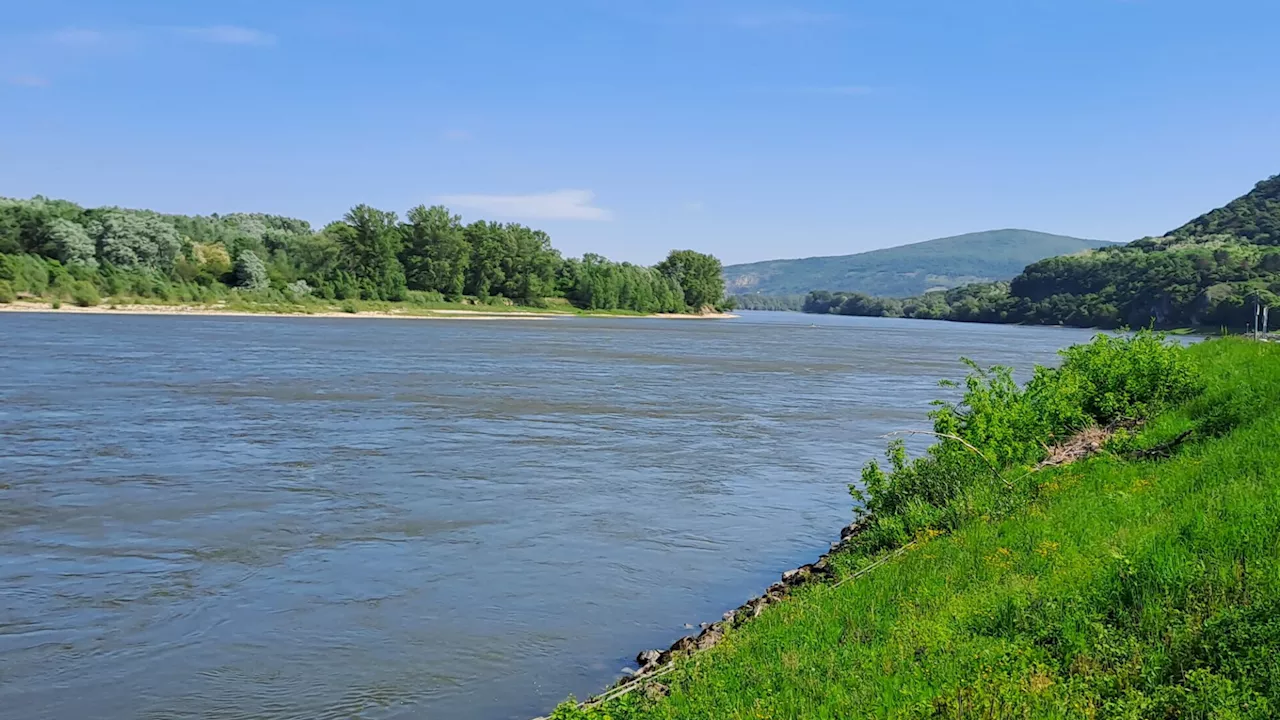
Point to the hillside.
(907, 269)
(1207, 273)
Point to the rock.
(684, 644)
(656, 691)
(648, 657)
(797, 576)
(710, 636)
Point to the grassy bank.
(1143, 582)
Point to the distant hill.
(908, 269)
(1216, 271)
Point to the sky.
(751, 130)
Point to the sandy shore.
(218, 311)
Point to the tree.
(250, 272)
(436, 254)
(370, 242)
(135, 240)
(699, 275)
(72, 243)
(488, 243)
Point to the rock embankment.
(652, 663)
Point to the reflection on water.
(305, 518)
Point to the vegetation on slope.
(1130, 585)
(1208, 273)
(908, 269)
(59, 250)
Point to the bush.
(423, 298)
(7, 295)
(998, 426)
(349, 306)
(84, 294)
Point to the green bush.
(7, 295)
(349, 306)
(423, 298)
(989, 441)
(84, 294)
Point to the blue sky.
(753, 130)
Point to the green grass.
(1120, 589)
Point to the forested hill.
(59, 250)
(1207, 273)
(1253, 218)
(907, 269)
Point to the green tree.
(250, 272)
(135, 240)
(700, 276)
(436, 254)
(71, 243)
(370, 242)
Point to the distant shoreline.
(396, 314)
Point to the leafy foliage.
(999, 426)
(250, 272)
(369, 256)
(782, 303)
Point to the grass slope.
(907, 269)
(1123, 589)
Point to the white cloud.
(838, 90)
(227, 35)
(31, 81)
(78, 37)
(558, 205)
(783, 17)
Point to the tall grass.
(1117, 588)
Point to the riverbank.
(1140, 582)
(380, 310)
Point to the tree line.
(1210, 272)
(781, 303)
(60, 248)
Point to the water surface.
(269, 518)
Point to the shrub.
(250, 272)
(423, 298)
(349, 306)
(998, 426)
(84, 294)
(7, 295)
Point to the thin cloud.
(79, 37)
(227, 35)
(31, 81)
(838, 90)
(456, 135)
(558, 205)
(782, 17)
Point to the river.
(270, 518)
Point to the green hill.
(1211, 272)
(908, 269)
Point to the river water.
(270, 518)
